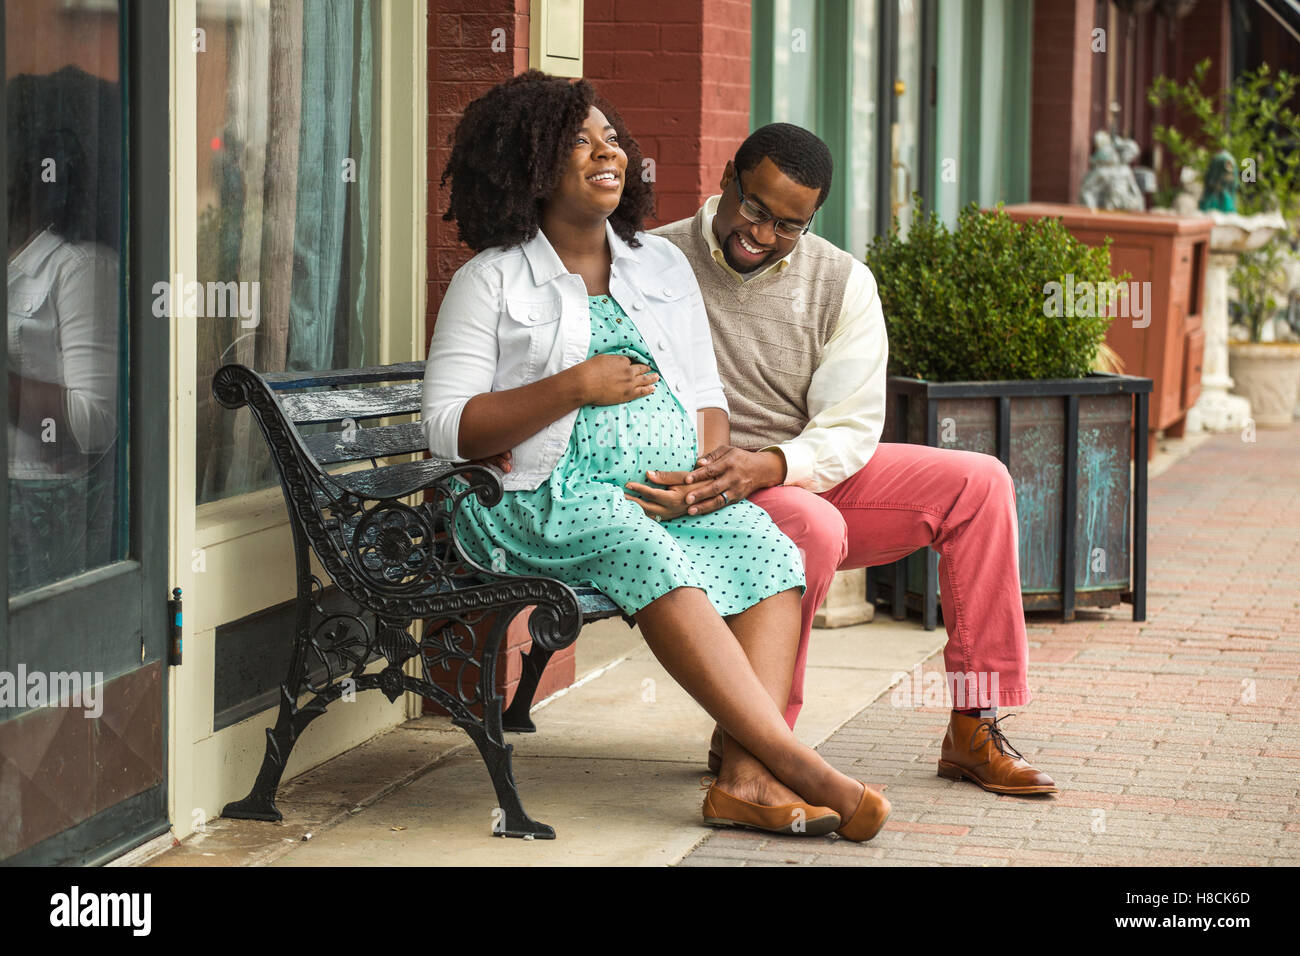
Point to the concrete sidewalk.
(614, 767)
(1174, 740)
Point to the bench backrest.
(351, 408)
(392, 558)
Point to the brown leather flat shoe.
(715, 762)
(975, 748)
(715, 751)
(868, 818)
(721, 809)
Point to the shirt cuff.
(798, 462)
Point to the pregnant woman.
(574, 349)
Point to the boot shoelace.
(995, 735)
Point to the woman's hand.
(661, 503)
(501, 461)
(614, 379)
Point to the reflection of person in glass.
(63, 325)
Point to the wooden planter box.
(1081, 491)
(1172, 253)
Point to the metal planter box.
(1081, 492)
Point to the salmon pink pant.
(962, 504)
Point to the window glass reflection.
(64, 292)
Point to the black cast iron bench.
(393, 563)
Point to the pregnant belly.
(620, 443)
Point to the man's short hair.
(799, 154)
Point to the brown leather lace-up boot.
(977, 749)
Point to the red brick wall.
(1205, 32)
(1060, 140)
(462, 66)
(678, 71)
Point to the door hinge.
(174, 639)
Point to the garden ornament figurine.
(1187, 202)
(1220, 184)
(1110, 182)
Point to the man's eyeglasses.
(757, 214)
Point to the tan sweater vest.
(769, 332)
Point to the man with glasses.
(801, 348)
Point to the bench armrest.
(398, 481)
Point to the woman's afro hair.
(509, 151)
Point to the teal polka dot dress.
(579, 528)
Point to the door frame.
(886, 72)
(80, 603)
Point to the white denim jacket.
(512, 316)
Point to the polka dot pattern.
(579, 528)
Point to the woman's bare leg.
(697, 648)
(768, 633)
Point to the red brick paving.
(1175, 740)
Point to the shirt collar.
(706, 227)
(32, 259)
(545, 262)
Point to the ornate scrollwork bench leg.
(343, 639)
(451, 646)
(516, 718)
(338, 643)
(595, 607)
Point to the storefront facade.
(275, 201)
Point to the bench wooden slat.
(395, 481)
(594, 605)
(331, 448)
(281, 381)
(314, 408)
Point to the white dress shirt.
(63, 329)
(513, 316)
(846, 396)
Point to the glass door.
(82, 649)
(906, 77)
(905, 125)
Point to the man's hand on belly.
(728, 469)
(662, 504)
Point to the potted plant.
(995, 328)
(1265, 371)
(1254, 125)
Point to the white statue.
(1110, 183)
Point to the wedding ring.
(725, 500)
(658, 520)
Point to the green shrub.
(1252, 120)
(972, 304)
